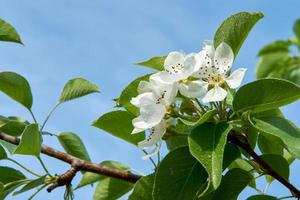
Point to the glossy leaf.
(143, 188)
(76, 88)
(207, 144)
(8, 175)
(16, 87)
(265, 94)
(73, 145)
(119, 124)
(30, 143)
(235, 29)
(281, 128)
(129, 92)
(31, 185)
(8, 33)
(179, 176)
(154, 62)
(201, 120)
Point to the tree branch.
(241, 141)
(76, 165)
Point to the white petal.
(173, 61)
(140, 124)
(188, 66)
(193, 89)
(136, 101)
(152, 152)
(203, 65)
(209, 48)
(165, 77)
(215, 94)
(136, 130)
(144, 86)
(156, 134)
(235, 79)
(223, 58)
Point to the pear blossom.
(213, 67)
(179, 68)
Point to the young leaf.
(262, 197)
(8, 33)
(154, 62)
(207, 144)
(179, 176)
(30, 143)
(8, 175)
(235, 29)
(31, 185)
(233, 183)
(279, 164)
(143, 188)
(16, 87)
(118, 123)
(73, 145)
(265, 94)
(110, 188)
(3, 154)
(76, 88)
(281, 128)
(201, 120)
(129, 92)
(90, 178)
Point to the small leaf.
(279, 164)
(235, 29)
(13, 126)
(90, 178)
(274, 47)
(201, 120)
(3, 154)
(265, 94)
(76, 88)
(207, 144)
(16, 87)
(233, 183)
(281, 128)
(73, 145)
(31, 185)
(179, 176)
(30, 143)
(262, 197)
(154, 63)
(143, 188)
(8, 175)
(129, 92)
(119, 124)
(8, 33)
(269, 144)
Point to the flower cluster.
(204, 75)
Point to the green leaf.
(13, 126)
(179, 176)
(89, 178)
(204, 118)
(1, 188)
(8, 146)
(246, 166)
(73, 145)
(8, 33)
(231, 153)
(207, 144)
(76, 88)
(129, 92)
(265, 94)
(154, 62)
(3, 154)
(16, 87)
(10, 187)
(296, 28)
(269, 144)
(279, 164)
(30, 143)
(281, 128)
(274, 47)
(143, 188)
(119, 124)
(8, 175)
(262, 197)
(31, 185)
(175, 142)
(108, 189)
(235, 29)
(233, 183)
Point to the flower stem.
(43, 165)
(32, 115)
(49, 115)
(151, 160)
(34, 194)
(23, 167)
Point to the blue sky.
(99, 40)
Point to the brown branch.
(241, 141)
(76, 165)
